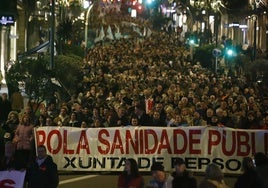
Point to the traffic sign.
(216, 52)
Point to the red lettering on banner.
(83, 143)
(225, 143)
(49, 146)
(117, 143)
(228, 144)
(266, 143)
(176, 134)
(104, 142)
(243, 147)
(141, 141)
(65, 144)
(133, 142)
(164, 143)
(253, 144)
(40, 137)
(213, 141)
(7, 183)
(153, 144)
(193, 141)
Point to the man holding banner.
(43, 172)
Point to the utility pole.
(254, 17)
(52, 33)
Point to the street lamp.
(87, 5)
(192, 42)
(52, 33)
(254, 18)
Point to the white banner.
(12, 179)
(105, 149)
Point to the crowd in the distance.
(148, 81)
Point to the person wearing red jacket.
(130, 178)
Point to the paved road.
(103, 180)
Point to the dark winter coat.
(184, 181)
(43, 176)
(249, 179)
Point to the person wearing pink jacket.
(24, 139)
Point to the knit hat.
(157, 167)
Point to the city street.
(98, 180)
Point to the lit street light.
(230, 52)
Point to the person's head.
(41, 152)
(73, 116)
(4, 96)
(158, 172)
(134, 121)
(156, 115)
(84, 124)
(214, 120)
(260, 159)
(184, 111)
(209, 112)
(136, 102)
(250, 115)
(63, 111)
(13, 115)
(247, 163)
(196, 115)
(178, 117)
(219, 112)
(9, 149)
(85, 110)
(42, 119)
(179, 165)
(212, 98)
(213, 172)
(43, 110)
(131, 167)
(159, 87)
(158, 106)
(25, 120)
(49, 121)
(97, 123)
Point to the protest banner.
(105, 149)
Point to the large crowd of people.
(144, 81)
(140, 82)
(149, 81)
